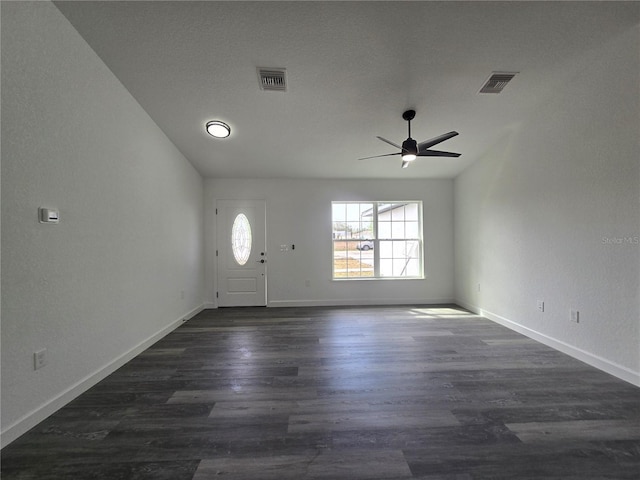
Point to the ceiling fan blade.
(435, 140)
(437, 153)
(378, 156)
(390, 143)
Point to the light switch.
(48, 215)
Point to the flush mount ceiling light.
(218, 129)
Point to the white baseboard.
(359, 302)
(192, 313)
(33, 418)
(612, 368)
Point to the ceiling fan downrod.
(408, 116)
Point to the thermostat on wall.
(48, 215)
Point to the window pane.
(384, 229)
(340, 231)
(339, 212)
(352, 229)
(353, 212)
(386, 268)
(386, 249)
(412, 212)
(399, 249)
(399, 267)
(413, 268)
(397, 214)
(411, 230)
(413, 249)
(397, 230)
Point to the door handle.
(261, 261)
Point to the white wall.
(552, 213)
(107, 280)
(299, 213)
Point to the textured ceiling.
(352, 69)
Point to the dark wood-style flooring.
(410, 392)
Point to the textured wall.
(125, 261)
(551, 213)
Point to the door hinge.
(216, 253)
(216, 294)
(216, 211)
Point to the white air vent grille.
(272, 79)
(497, 81)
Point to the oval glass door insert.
(241, 239)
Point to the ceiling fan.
(411, 149)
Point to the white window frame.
(377, 240)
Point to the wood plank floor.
(411, 392)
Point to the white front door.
(241, 254)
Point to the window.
(241, 239)
(377, 240)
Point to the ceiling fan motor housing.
(410, 146)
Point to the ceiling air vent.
(497, 81)
(272, 79)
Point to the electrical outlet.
(40, 359)
(541, 305)
(575, 316)
(478, 287)
(307, 283)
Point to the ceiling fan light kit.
(410, 149)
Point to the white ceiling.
(352, 69)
